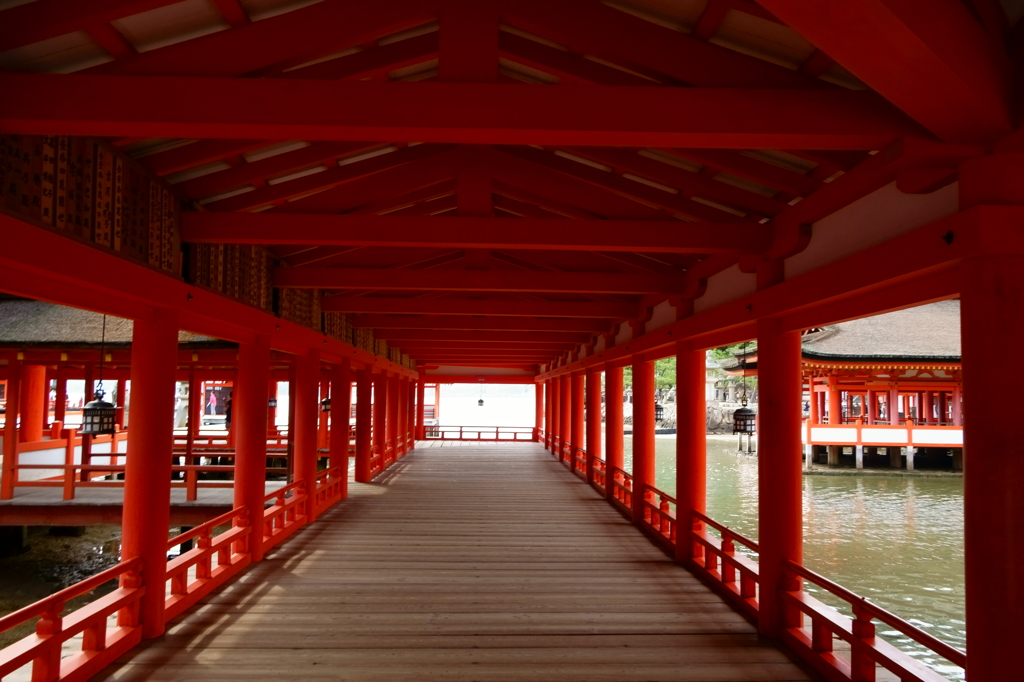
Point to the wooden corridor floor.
(471, 563)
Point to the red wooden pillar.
(565, 419)
(33, 395)
(271, 411)
(835, 405)
(403, 415)
(364, 423)
(249, 423)
(576, 409)
(324, 418)
(122, 401)
(780, 528)
(147, 480)
(341, 409)
(812, 416)
(306, 410)
(556, 416)
(958, 419)
(380, 413)
(643, 434)
(421, 396)
(691, 444)
(613, 427)
(893, 405)
(548, 414)
(538, 415)
(88, 394)
(391, 420)
(594, 450)
(410, 412)
(7, 475)
(60, 404)
(869, 406)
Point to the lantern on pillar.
(744, 420)
(272, 402)
(98, 414)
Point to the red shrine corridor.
(483, 562)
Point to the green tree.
(664, 373)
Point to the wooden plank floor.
(465, 563)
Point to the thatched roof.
(928, 333)
(34, 323)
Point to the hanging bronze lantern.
(325, 405)
(659, 412)
(480, 403)
(272, 402)
(744, 420)
(98, 415)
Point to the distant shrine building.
(883, 390)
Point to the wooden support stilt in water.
(249, 419)
(780, 527)
(147, 485)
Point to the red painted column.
(643, 434)
(991, 298)
(61, 401)
(391, 420)
(538, 415)
(364, 422)
(613, 427)
(323, 418)
(780, 526)
(341, 409)
(893, 406)
(410, 411)
(147, 480)
(813, 403)
(7, 474)
(403, 415)
(421, 396)
(576, 408)
(380, 413)
(122, 394)
(691, 444)
(870, 408)
(271, 411)
(306, 410)
(556, 416)
(549, 414)
(835, 405)
(565, 419)
(593, 413)
(33, 393)
(249, 422)
(958, 419)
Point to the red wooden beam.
(752, 169)
(473, 379)
(477, 280)
(37, 21)
(568, 67)
(446, 306)
(931, 58)
(473, 113)
(474, 232)
(373, 61)
(196, 154)
(400, 335)
(410, 346)
(520, 324)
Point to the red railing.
(482, 433)
(866, 650)
(622, 489)
(660, 516)
(329, 484)
(194, 574)
(600, 469)
(286, 515)
(101, 643)
(734, 575)
(580, 463)
(375, 461)
(389, 454)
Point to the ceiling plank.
(574, 309)
(520, 324)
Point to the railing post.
(147, 485)
(691, 441)
(780, 526)
(46, 668)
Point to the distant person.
(212, 405)
(227, 413)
